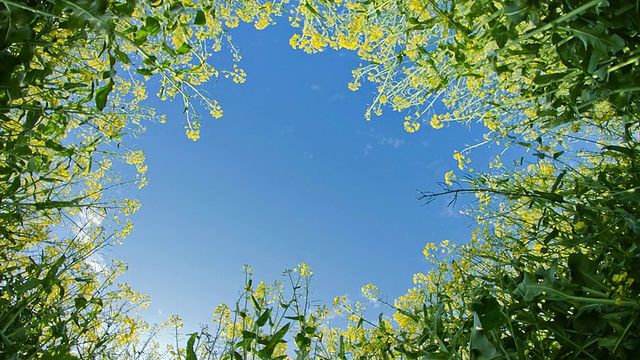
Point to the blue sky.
(291, 173)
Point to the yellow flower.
(294, 41)
(436, 123)
(304, 269)
(370, 291)
(232, 22)
(354, 85)
(193, 134)
(411, 126)
(448, 177)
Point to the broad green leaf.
(480, 346)
(584, 272)
(102, 95)
(488, 311)
(200, 18)
(191, 353)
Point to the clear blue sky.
(291, 173)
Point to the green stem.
(626, 331)
(621, 65)
(624, 303)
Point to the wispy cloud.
(394, 142)
(367, 149)
(449, 211)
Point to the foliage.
(73, 78)
(550, 271)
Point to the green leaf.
(150, 60)
(51, 204)
(436, 322)
(313, 10)
(54, 146)
(588, 321)
(34, 164)
(145, 72)
(549, 196)
(73, 85)
(168, 49)
(302, 341)
(584, 272)
(30, 284)
(381, 323)
(248, 334)
(191, 353)
(630, 219)
(594, 61)
(599, 39)
(263, 318)
(480, 346)
(528, 288)
(200, 19)
(279, 335)
(122, 56)
(555, 185)
(151, 26)
(80, 302)
(620, 149)
(499, 69)
(125, 8)
(102, 94)
(501, 35)
(15, 185)
(183, 49)
(517, 10)
(488, 311)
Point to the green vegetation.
(552, 270)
